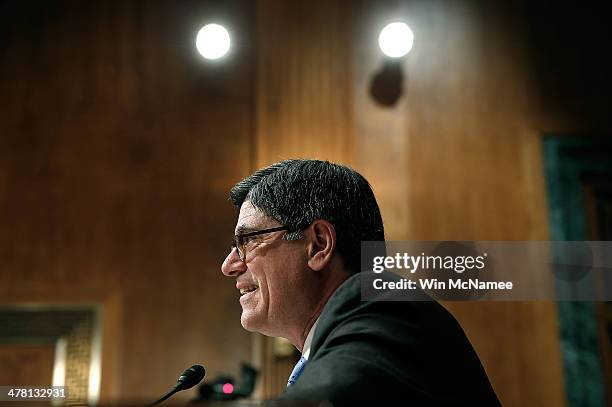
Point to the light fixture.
(396, 39)
(213, 41)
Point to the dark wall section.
(568, 43)
(118, 144)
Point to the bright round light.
(396, 39)
(213, 41)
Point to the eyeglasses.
(240, 241)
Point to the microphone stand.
(165, 396)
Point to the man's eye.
(248, 239)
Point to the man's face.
(270, 277)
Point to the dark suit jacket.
(390, 352)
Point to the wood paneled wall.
(118, 145)
(456, 158)
(475, 172)
(26, 365)
(303, 81)
(466, 166)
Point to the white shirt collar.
(308, 341)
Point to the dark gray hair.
(298, 192)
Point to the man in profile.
(296, 262)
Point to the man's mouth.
(248, 290)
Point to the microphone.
(187, 380)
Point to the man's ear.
(322, 244)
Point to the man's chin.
(250, 322)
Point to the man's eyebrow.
(244, 229)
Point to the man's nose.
(232, 265)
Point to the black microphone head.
(190, 377)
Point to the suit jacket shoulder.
(404, 352)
